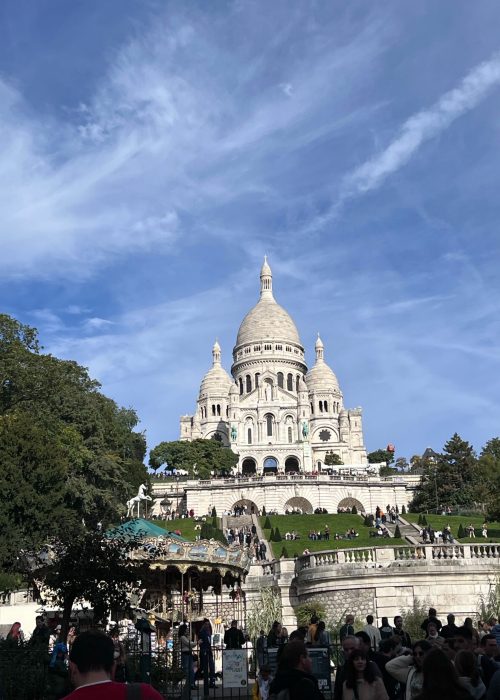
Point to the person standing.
(295, 674)
(449, 630)
(361, 683)
(399, 631)
(41, 634)
(234, 637)
(15, 634)
(386, 631)
(372, 632)
(408, 669)
(261, 648)
(187, 647)
(91, 666)
(347, 628)
(207, 662)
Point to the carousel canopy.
(142, 528)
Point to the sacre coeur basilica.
(276, 414)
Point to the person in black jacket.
(294, 674)
(234, 638)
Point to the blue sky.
(152, 152)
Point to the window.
(256, 348)
(257, 377)
(288, 348)
(279, 347)
(325, 435)
(227, 411)
(249, 436)
(325, 405)
(280, 380)
(268, 347)
(248, 380)
(269, 424)
(241, 385)
(247, 350)
(321, 406)
(297, 383)
(218, 409)
(290, 435)
(289, 382)
(312, 408)
(213, 409)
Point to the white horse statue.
(141, 496)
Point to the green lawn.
(438, 522)
(303, 524)
(184, 525)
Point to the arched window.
(248, 379)
(297, 383)
(289, 382)
(257, 377)
(290, 435)
(227, 411)
(241, 385)
(280, 380)
(321, 406)
(269, 424)
(325, 406)
(249, 436)
(312, 408)
(213, 409)
(218, 409)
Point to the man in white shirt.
(372, 632)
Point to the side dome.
(216, 380)
(267, 320)
(321, 377)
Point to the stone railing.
(384, 556)
(273, 478)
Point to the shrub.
(424, 521)
(397, 532)
(267, 524)
(368, 521)
(403, 510)
(420, 519)
(461, 532)
(284, 553)
(354, 510)
(264, 510)
(271, 535)
(214, 512)
(305, 611)
(412, 618)
(277, 535)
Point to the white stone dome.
(321, 377)
(267, 320)
(216, 381)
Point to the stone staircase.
(407, 530)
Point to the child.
(260, 690)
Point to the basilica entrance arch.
(250, 506)
(249, 466)
(270, 465)
(299, 503)
(349, 503)
(292, 465)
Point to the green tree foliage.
(214, 512)
(267, 523)
(403, 510)
(354, 510)
(388, 471)
(67, 452)
(413, 617)
(461, 531)
(277, 535)
(209, 531)
(208, 456)
(489, 604)
(452, 478)
(381, 456)
(397, 532)
(89, 566)
(306, 610)
(332, 459)
(264, 612)
(489, 482)
(401, 464)
(284, 552)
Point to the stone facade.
(272, 411)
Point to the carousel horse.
(141, 496)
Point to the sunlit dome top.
(321, 377)
(267, 320)
(216, 380)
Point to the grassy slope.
(302, 524)
(440, 521)
(185, 525)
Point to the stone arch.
(251, 506)
(299, 503)
(248, 466)
(270, 464)
(349, 502)
(292, 464)
(334, 436)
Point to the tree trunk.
(68, 607)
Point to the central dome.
(267, 320)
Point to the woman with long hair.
(468, 674)
(321, 636)
(15, 633)
(441, 680)
(361, 683)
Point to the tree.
(305, 611)
(332, 459)
(452, 478)
(277, 535)
(89, 566)
(284, 552)
(403, 510)
(208, 456)
(265, 611)
(67, 452)
(381, 456)
(397, 532)
(461, 532)
(387, 471)
(267, 523)
(401, 464)
(489, 469)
